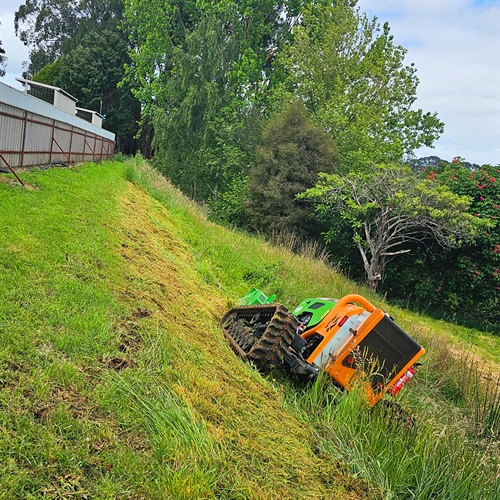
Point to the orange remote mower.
(350, 339)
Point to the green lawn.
(116, 382)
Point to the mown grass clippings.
(191, 361)
(110, 345)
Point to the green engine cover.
(255, 296)
(312, 311)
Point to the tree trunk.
(374, 272)
(373, 263)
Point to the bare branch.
(385, 254)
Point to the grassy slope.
(115, 380)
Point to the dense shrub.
(293, 152)
(465, 282)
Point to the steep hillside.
(115, 381)
(253, 444)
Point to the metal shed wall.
(33, 132)
(64, 103)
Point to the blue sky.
(455, 45)
(16, 52)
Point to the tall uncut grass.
(116, 382)
(422, 453)
(184, 451)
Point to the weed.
(305, 247)
(120, 158)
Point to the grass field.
(115, 381)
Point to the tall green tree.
(352, 77)
(3, 60)
(51, 28)
(389, 209)
(82, 46)
(293, 152)
(92, 72)
(192, 111)
(201, 70)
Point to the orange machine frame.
(330, 326)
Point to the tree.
(193, 110)
(352, 78)
(46, 26)
(201, 70)
(52, 28)
(3, 60)
(49, 74)
(92, 72)
(388, 209)
(82, 46)
(462, 282)
(292, 154)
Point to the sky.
(455, 45)
(15, 51)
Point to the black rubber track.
(240, 333)
(241, 326)
(266, 350)
(269, 351)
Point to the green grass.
(116, 382)
(57, 317)
(424, 453)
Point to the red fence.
(33, 132)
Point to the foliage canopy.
(464, 282)
(201, 70)
(352, 77)
(389, 208)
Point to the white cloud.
(455, 46)
(15, 51)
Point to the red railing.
(28, 139)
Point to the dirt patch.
(128, 335)
(12, 181)
(118, 364)
(77, 405)
(140, 312)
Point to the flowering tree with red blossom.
(390, 209)
(476, 267)
(465, 281)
